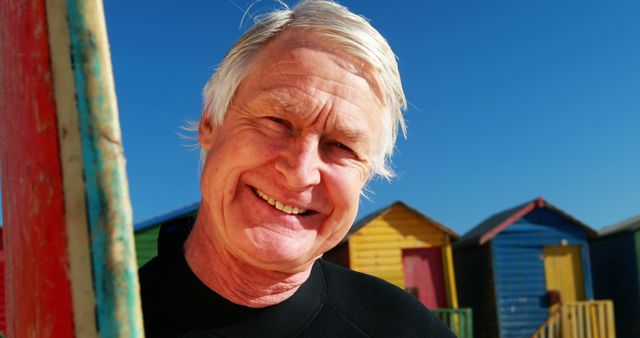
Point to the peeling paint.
(38, 295)
(108, 206)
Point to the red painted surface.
(514, 218)
(37, 288)
(424, 276)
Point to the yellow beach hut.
(408, 249)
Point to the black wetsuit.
(333, 302)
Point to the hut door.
(424, 275)
(563, 271)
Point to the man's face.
(284, 172)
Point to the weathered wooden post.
(70, 260)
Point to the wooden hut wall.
(519, 271)
(474, 278)
(615, 277)
(376, 249)
(146, 244)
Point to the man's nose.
(300, 163)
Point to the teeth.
(279, 205)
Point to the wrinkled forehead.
(291, 41)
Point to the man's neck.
(234, 279)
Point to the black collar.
(204, 311)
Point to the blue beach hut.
(615, 256)
(512, 266)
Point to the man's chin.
(288, 261)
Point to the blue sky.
(509, 100)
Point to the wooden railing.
(587, 319)
(551, 326)
(460, 321)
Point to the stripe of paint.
(77, 228)
(452, 293)
(38, 288)
(108, 205)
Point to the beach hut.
(408, 249)
(516, 264)
(615, 257)
(146, 232)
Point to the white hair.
(337, 25)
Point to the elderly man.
(300, 114)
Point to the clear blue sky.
(510, 100)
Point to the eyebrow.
(283, 104)
(351, 135)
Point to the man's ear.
(206, 133)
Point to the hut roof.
(167, 216)
(631, 224)
(493, 225)
(382, 211)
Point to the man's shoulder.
(347, 283)
(376, 306)
(152, 275)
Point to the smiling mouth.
(287, 209)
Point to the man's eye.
(341, 146)
(277, 120)
(280, 124)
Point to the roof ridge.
(630, 224)
(494, 224)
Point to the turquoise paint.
(115, 286)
